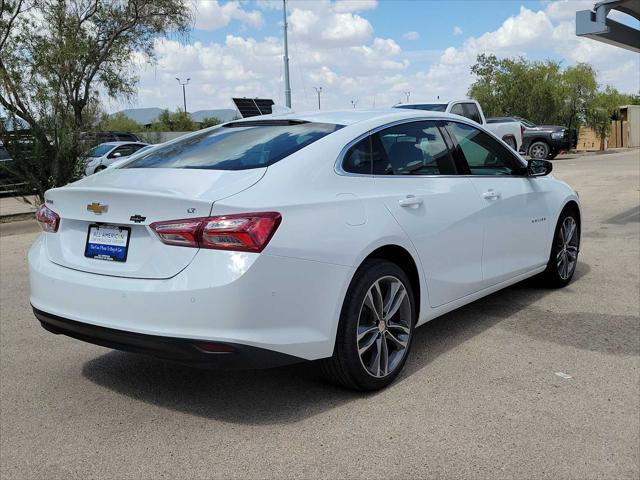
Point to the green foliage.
(69, 51)
(210, 122)
(179, 121)
(545, 93)
(539, 91)
(603, 108)
(119, 123)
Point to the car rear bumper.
(282, 304)
(191, 351)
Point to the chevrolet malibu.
(325, 236)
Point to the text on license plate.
(107, 242)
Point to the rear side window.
(415, 148)
(471, 111)
(237, 146)
(458, 109)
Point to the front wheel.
(564, 251)
(375, 329)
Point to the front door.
(514, 206)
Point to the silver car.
(103, 155)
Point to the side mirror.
(115, 155)
(539, 168)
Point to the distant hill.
(145, 116)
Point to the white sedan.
(105, 154)
(321, 236)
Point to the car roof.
(350, 117)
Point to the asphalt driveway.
(485, 394)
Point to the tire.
(511, 142)
(539, 150)
(361, 371)
(563, 258)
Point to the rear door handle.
(491, 194)
(410, 201)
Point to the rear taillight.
(247, 232)
(48, 219)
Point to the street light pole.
(184, 93)
(287, 85)
(354, 102)
(407, 94)
(318, 91)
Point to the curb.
(17, 217)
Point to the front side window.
(237, 146)
(99, 151)
(415, 148)
(483, 153)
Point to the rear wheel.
(539, 150)
(564, 251)
(375, 329)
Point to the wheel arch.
(406, 261)
(538, 139)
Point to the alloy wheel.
(567, 256)
(384, 326)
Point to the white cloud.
(411, 36)
(210, 15)
(333, 46)
(457, 30)
(354, 5)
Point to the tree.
(540, 91)
(119, 123)
(210, 122)
(72, 52)
(179, 121)
(603, 108)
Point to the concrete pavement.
(480, 396)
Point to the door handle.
(491, 194)
(410, 201)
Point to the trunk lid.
(135, 198)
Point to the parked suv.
(542, 141)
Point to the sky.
(371, 52)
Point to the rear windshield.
(432, 107)
(237, 146)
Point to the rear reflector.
(247, 232)
(48, 219)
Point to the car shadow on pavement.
(289, 394)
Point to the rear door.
(514, 208)
(416, 178)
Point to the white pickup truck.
(510, 132)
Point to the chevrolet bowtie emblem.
(97, 208)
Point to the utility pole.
(354, 102)
(407, 94)
(318, 91)
(184, 94)
(287, 86)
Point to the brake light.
(247, 232)
(48, 219)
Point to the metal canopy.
(253, 107)
(595, 24)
